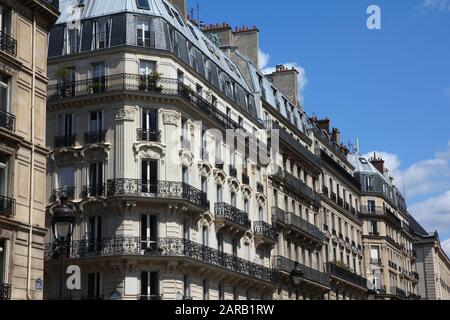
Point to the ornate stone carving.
(233, 184)
(247, 191)
(6, 69)
(186, 158)
(64, 157)
(126, 114)
(149, 150)
(94, 153)
(205, 169)
(5, 234)
(171, 117)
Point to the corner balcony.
(159, 191)
(346, 275)
(162, 249)
(68, 193)
(148, 135)
(65, 141)
(265, 233)
(7, 207)
(8, 44)
(311, 276)
(233, 219)
(95, 137)
(5, 291)
(7, 121)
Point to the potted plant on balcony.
(63, 77)
(150, 82)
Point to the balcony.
(95, 137)
(65, 141)
(265, 232)
(231, 216)
(95, 190)
(7, 121)
(415, 275)
(286, 265)
(305, 227)
(8, 44)
(233, 172)
(279, 216)
(400, 293)
(158, 190)
(148, 135)
(346, 275)
(5, 291)
(68, 193)
(375, 261)
(164, 248)
(336, 166)
(118, 83)
(143, 297)
(7, 206)
(380, 211)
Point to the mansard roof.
(158, 8)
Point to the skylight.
(143, 4)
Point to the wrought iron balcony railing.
(376, 210)
(336, 166)
(266, 230)
(347, 275)
(95, 190)
(7, 120)
(286, 265)
(158, 189)
(8, 44)
(5, 291)
(279, 215)
(398, 292)
(306, 227)
(148, 135)
(7, 206)
(65, 141)
(163, 247)
(233, 215)
(95, 137)
(233, 171)
(68, 193)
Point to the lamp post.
(296, 275)
(62, 227)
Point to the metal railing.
(7, 206)
(8, 44)
(148, 135)
(306, 227)
(286, 265)
(95, 190)
(95, 137)
(65, 141)
(336, 166)
(279, 215)
(68, 193)
(377, 210)
(5, 291)
(398, 292)
(233, 215)
(346, 275)
(163, 247)
(266, 230)
(7, 120)
(158, 189)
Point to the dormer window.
(180, 21)
(193, 57)
(143, 33)
(71, 41)
(102, 34)
(193, 32)
(208, 70)
(363, 161)
(143, 4)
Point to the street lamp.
(62, 227)
(296, 275)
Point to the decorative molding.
(149, 150)
(186, 158)
(5, 234)
(171, 117)
(233, 184)
(247, 191)
(6, 69)
(205, 169)
(126, 114)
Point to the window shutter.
(56, 41)
(86, 42)
(119, 30)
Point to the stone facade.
(23, 152)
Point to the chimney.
(324, 124)
(247, 42)
(222, 31)
(181, 7)
(287, 81)
(378, 163)
(336, 136)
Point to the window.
(205, 186)
(246, 206)
(149, 232)
(94, 230)
(205, 290)
(186, 230)
(193, 57)
(5, 19)
(149, 176)
(94, 286)
(72, 40)
(3, 175)
(143, 4)
(186, 287)
(143, 33)
(235, 294)
(369, 183)
(208, 70)
(261, 213)
(150, 120)
(4, 95)
(233, 199)
(149, 285)
(102, 34)
(98, 77)
(234, 246)
(375, 254)
(220, 242)
(221, 292)
(373, 228)
(219, 194)
(2, 260)
(180, 21)
(95, 179)
(371, 206)
(95, 121)
(205, 236)
(185, 175)
(146, 68)
(66, 125)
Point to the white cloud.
(421, 178)
(434, 214)
(264, 59)
(446, 246)
(435, 5)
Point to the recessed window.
(193, 32)
(180, 21)
(363, 161)
(143, 4)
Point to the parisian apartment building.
(23, 149)
(192, 174)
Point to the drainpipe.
(31, 201)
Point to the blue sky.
(390, 88)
